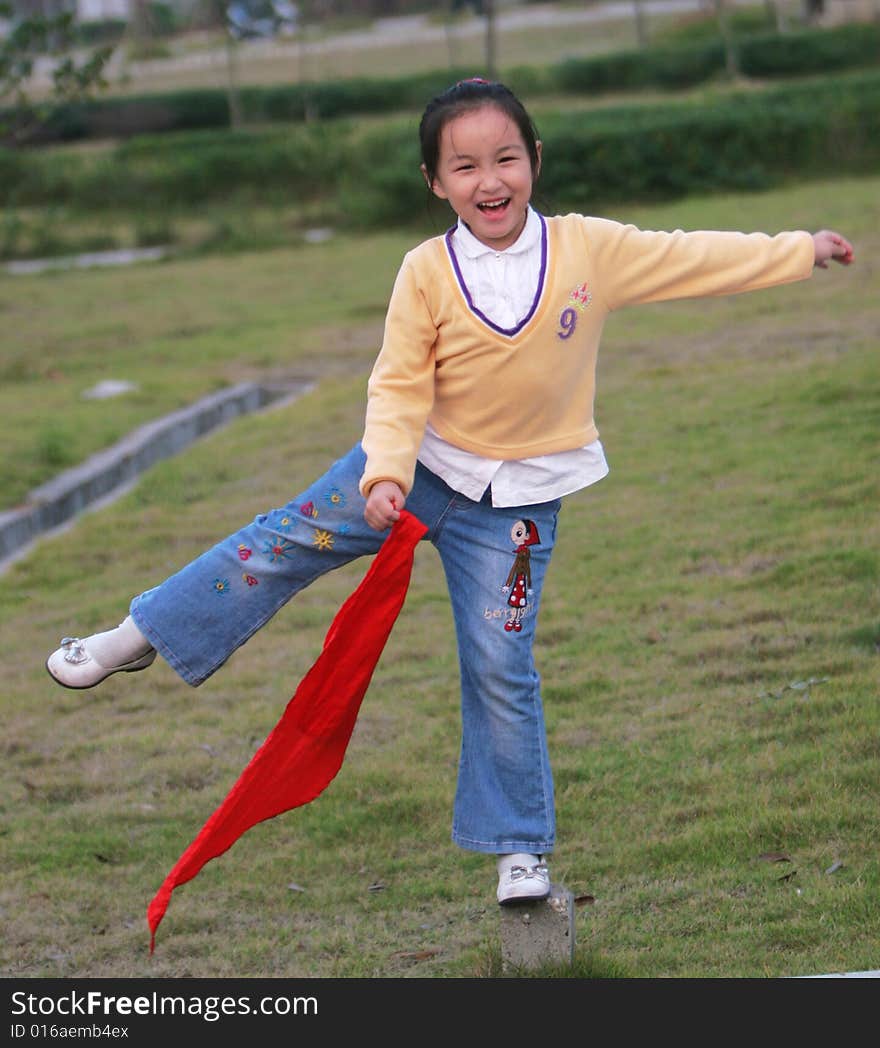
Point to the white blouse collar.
(471, 247)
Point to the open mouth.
(493, 206)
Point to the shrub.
(747, 140)
(811, 51)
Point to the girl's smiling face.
(485, 172)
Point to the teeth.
(493, 205)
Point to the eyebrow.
(501, 149)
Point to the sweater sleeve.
(400, 391)
(637, 265)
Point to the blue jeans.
(494, 560)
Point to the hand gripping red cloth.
(305, 749)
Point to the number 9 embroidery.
(567, 322)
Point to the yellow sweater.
(526, 391)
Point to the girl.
(479, 420)
(518, 586)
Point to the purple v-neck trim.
(478, 312)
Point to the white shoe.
(77, 663)
(522, 876)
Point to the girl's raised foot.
(84, 663)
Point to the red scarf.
(305, 749)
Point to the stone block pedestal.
(536, 932)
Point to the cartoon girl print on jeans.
(519, 581)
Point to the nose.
(490, 178)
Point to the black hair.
(466, 96)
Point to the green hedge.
(340, 98)
(748, 140)
(201, 108)
(806, 52)
(751, 140)
(668, 68)
(818, 51)
(125, 117)
(765, 55)
(182, 170)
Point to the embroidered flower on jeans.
(309, 509)
(279, 549)
(244, 551)
(221, 586)
(322, 539)
(335, 497)
(285, 523)
(250, 580)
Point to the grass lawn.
(709, 641)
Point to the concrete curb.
(109, 473)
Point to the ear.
(538, 149)
(434, 186)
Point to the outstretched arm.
(829, 245)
